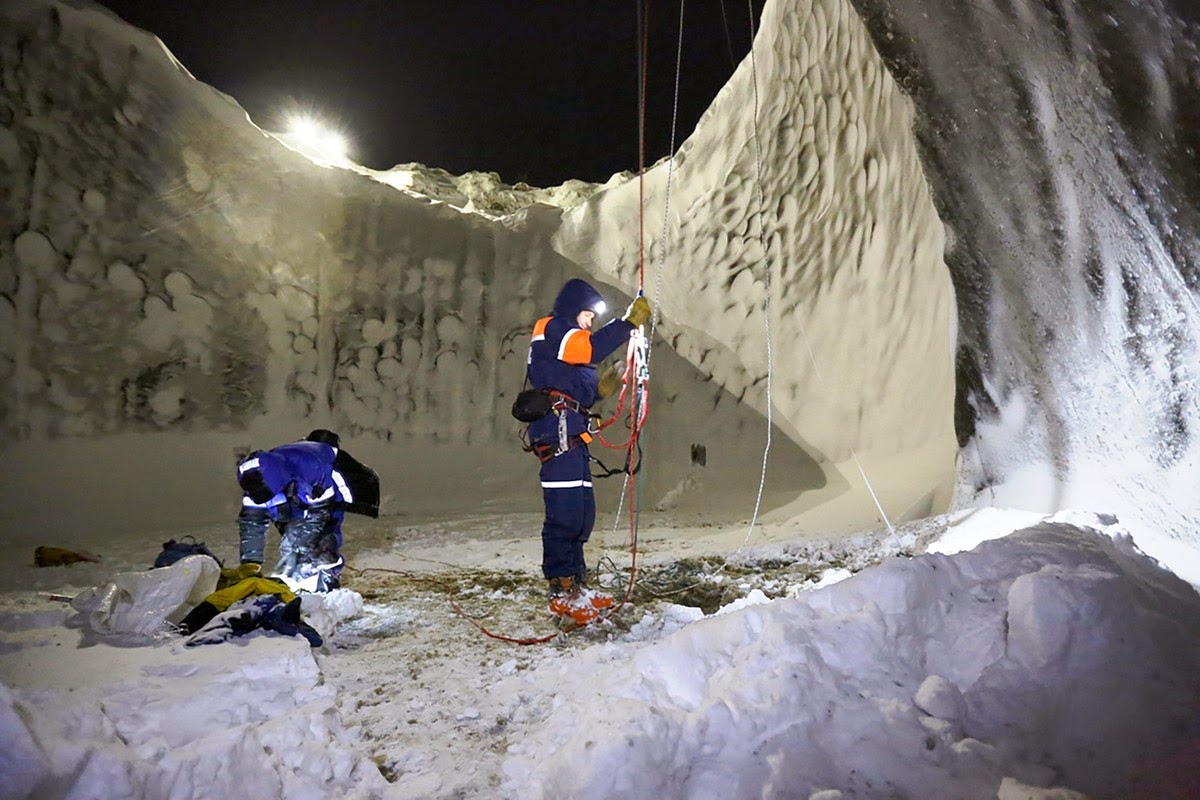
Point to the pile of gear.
(304, 488)
(252, 603)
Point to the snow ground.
(987, 673)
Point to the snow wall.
(169, 270)
(1062, 144)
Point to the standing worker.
(562, 355)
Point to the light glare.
(316, 141)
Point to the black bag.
(173, 551)
(363, 483)
(531, 405)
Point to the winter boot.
(577, 603)
(598, 599)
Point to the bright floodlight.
(316, 141)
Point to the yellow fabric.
(609, 381)
(224, 598)
(232, 575)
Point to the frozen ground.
(907, 677)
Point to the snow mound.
(245, 719)
(1059, 654)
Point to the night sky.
(536, 90)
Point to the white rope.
(766, 305)
(762, 479)
(662, 249)
(762, 232)
(762, 228)
(762, 235)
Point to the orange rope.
(639, 399)
(645, 51)
(510, 639)
(637, 405)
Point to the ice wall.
(804, 175)
(1061, 141)
(176, 285)
(167, 269)
(173, 267)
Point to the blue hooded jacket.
(562, 355)
(300, 475)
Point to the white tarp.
(143, 602)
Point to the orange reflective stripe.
(585, 437)
(576, 347)
(539, 328)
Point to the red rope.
(510, 639)
(637, 405)
(639, 400)
(645, 51)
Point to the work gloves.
(232, 575)
(638, 313)
(610, 380)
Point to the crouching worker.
(305, 488)
(562, 353)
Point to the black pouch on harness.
(531, 405)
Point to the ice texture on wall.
(170, 269)
(176, 267)
(804, 174)
(1061, 141)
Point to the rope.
(637, 356)
(762, 235)
(524, 640)
(762, 232)
(662, 250)
(728, 38)
(643, 55)
(625, 488)
(510, 639)
(638, 400)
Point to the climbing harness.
(537, 404)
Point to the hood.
(576, 295)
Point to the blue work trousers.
(570, 514)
